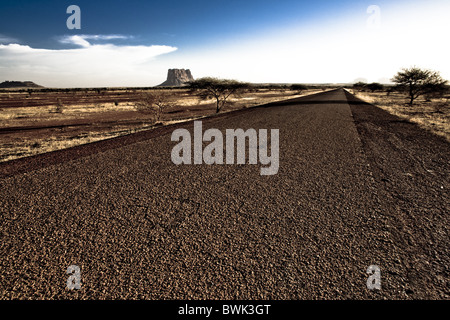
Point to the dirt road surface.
(356, 187)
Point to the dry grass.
(19, 148)
(31, 115)
(431, 115)
(36, 114)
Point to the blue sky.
(133, 43)
(179, 23)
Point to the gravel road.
(356, 187)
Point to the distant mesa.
(19, 84)
(177, 78)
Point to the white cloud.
(77, 40)
(104, 37)
(81, 40)
(89, 65)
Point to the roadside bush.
(299, 88)
(375, 86)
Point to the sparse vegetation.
(155, 102)
(219, 89)
(298, 88)
(360, 86)
(375, 86)
(433, 115)
(59, 108)
(87, 107)
(418, 82)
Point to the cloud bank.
(90, 64)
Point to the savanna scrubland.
(35, 121)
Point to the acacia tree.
(375, 86)
(359, 86)
(220, 89)
(417, 82)
(298, 87)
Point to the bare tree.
(417, 82)
(220, 89)
(155, 102)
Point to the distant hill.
(19, 84)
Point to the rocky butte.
(177, 78)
